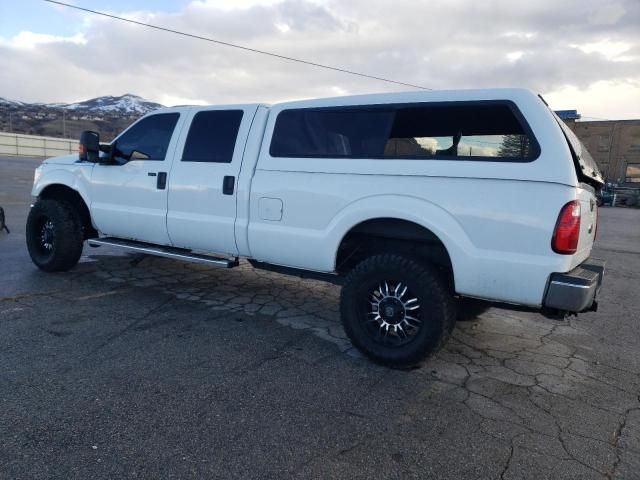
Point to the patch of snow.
(6, 101)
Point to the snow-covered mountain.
(5, 102)
(109, 115)
(127, 104)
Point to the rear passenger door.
(203, 182)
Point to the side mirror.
(111, 155)
(89, 149)
(108, 152)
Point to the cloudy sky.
(582, 54)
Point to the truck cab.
(193, 153)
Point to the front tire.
(54, 235)
(396, 309)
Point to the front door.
(129, 196)
(204, 178)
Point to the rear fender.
(402, 207)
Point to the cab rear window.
(491, 131)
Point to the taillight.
(567, 232)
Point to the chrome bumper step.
(162, 251)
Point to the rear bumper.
(575, 291)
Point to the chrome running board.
(162, 251)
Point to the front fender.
(77, 179)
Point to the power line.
(241, 47)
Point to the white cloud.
(520, 35)
(571, 50)
(283, 27)
(339, 91)
(30, 40)
(607, 14)
(608, 48)
(234, 4)
(172, 100)
(514, 56)
(605, 99)
(428, 143)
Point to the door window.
(148, 139)
(212, 136)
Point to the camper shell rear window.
(585, 166)
(471, 130)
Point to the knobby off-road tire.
(397, 310)
(54, 235)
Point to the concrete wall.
(12, 144)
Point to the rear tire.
(54, 235)
(396, 309)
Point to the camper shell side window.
(469, 130)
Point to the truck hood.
(62, 160)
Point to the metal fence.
(15, 144)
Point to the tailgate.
(590, 178)
(588, 221)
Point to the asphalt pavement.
(140, 367)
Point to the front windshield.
(587, 164)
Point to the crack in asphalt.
(508, 462)
(113, 337)
(615, 441)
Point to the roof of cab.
(225, 106)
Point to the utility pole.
(64, 125)
(10, 123)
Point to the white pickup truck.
(411, 201)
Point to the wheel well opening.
(391, 234)
(73, 198)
